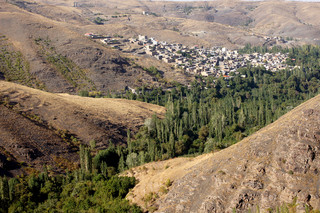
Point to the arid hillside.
(276, 165)
(288, 20)
(50, 36)
(51, 40)
(37, 126)
(248, 21)
(210, 23)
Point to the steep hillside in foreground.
(269, 168)
(36, 127)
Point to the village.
(195, 60)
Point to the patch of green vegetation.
(99, 21)
(33, 117)
(149, 200)
(289, 38)
(185, 54)
(84, 93)
(92, 144)
(67, 68)
(153, 71)
(83, 190)
(175, 29)
(168, 183)
(93, 94)
(251, 8)
(248, 22)
(66, 136)
(71, 72)
(188, 9)
(154, 14)
(248, 49)
(221, 172)
(14, 67)
(117, 36)
(163, 190)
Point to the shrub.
(84, 93)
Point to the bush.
(84, 93)
(168, 183)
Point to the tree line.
(214, 113)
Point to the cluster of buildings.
(271, 41)
(198, 60)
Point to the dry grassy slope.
(21, 140)
(274, 165)
(152, 176)
(308, 13)
(124, 4)
(22, 28)
(287, 19)
(297, 19)
(273, 18)
(158, 27)
(58, 13)
(86, 118)
(107, 69)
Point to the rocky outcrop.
(276, 165)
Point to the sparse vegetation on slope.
(67, 68)
(13, 67)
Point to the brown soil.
(23, 143)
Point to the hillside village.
(214, 61)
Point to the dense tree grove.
(263, 49)
(215, 113)
(88, 189)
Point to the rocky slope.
(273, 166)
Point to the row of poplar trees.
(214, 113)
